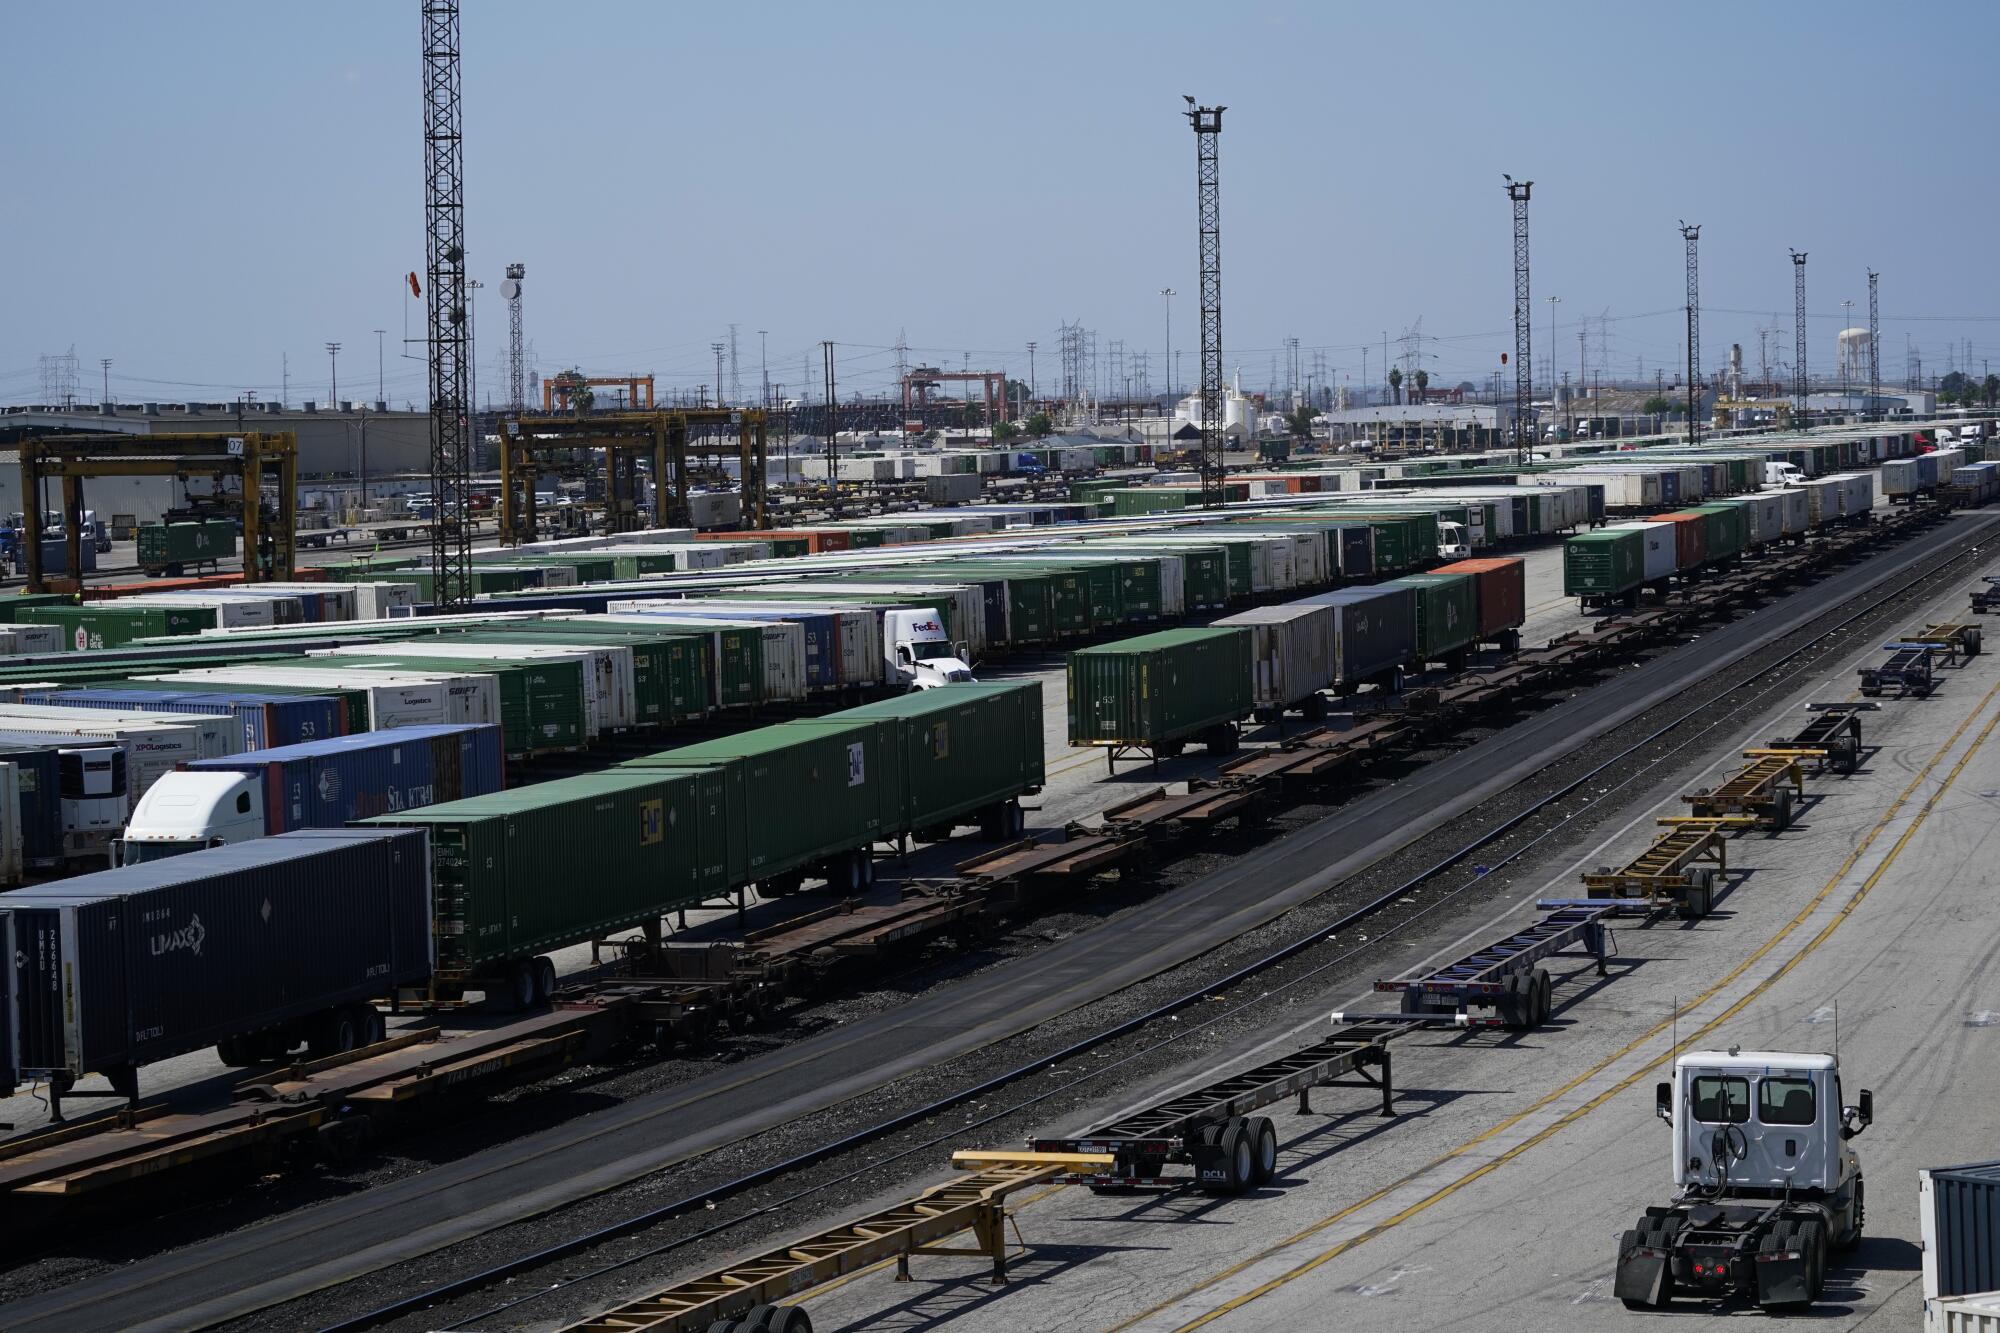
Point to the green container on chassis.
(1089, 588)
(590, 568)
(542, 709)
(1727, 529)
(962, 748)
(669, 675)
(109, 625)
(162, 544)
(799, 793)
(1402, 541)
(1132, 501)
(552, 864)
(20, 608)
(1447, 621)
(732, 657)
(1067, 590)
(638, 564)
(1205, 572)
(1609, 562)
(1168, 686)
(1020, 600)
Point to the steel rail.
(1873, 599)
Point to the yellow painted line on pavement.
(1571, 1117)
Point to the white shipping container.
(610, 688)
(857, 627)
(152, 749)
(22, 639)
(1767, 522)
(1625, 490)
(374, 601)
(1658, 542)
(1978, 1313)
(1793, 515)
(1291, 653)
(1902, 476)
(1822, 500)
(216, 736)
(230, 612)
(1857, 493)
(392, 701)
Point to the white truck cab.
(1781, 476)
(188, 810)
(1766, 1184)
(1453, 544)
(920, 654)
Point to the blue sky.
(200, 189)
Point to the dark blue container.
(1357, 550)
(330, 783)
(1375, 630)
(822, 634)
(266, 720)
(40, 763)
(128, 966)
(1965, 1212)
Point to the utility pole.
(1206, 121)
(717, 349)
(380, 380)
(1845, 319)
(444, 263)
(1169, 293)
(832, 429)
(1517, 192)
(1553, 301)
(104, 364)
(1031, 370)
(333, 362)
(1799, 335)
(1692, 235)
(764, 367)
(517, 361)
(1874, 349)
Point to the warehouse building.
(334, 441)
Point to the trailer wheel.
(230, 1051)
(520, 992)
(545, 981)
(1545, 992)
(1170, 749)
(1314, 707)
(376, 1027)
(1781, 810)
(335, 1032)
(1239, 1154)
(1971, 641)
(864, 866)
(1264, 1137)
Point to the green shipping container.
(963, 749)
(670, 675)
(1609, 562)
(1159, 689)
(1132, 502)
(542, 709)
(557, 863)
(109, 625)
(1446, 619)
(1727, 529)
(636, 564)
(164, 544)
(801, 797)
(20, 608)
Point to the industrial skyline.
(1340, 233)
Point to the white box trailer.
(20, 640)
(1857, 493)
(1823, 500)
(610, 689)
(1902, 478)
(1767, 519)
(377, 601)
(1291, 654)
(857, 626)
(783, 642)
(215, 736)
(392, 701)
(1793, 513)
(152, 749)
(230, 612)
(1657, 540)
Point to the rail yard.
(748, 832)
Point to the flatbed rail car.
(1679, 871)
(1506, 975)
(1911, 668)
(1767, 789)
(1955, 639)
(1214, 1127)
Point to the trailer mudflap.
(1781, 1278)
(1642, 1274)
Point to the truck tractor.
(1766, 1186)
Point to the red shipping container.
(1690, 539)
(1499, 592)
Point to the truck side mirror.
(1854, 1119)
(1867, 1107)
(1663, 1101)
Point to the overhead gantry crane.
(625, 437)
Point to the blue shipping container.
(120, 968)
(330, 783)
(40, 765)
(267, 720)
(821, 633)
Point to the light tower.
(1874, 348)
(1692, 235)
(1206, 122)
(444, 263)
(1517, 191)
(516, 359)
(1799, 335)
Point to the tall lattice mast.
(444, 262)
(1874, 348)
(1524, 387)
(1799, 335)
(1692, 235)
(517, 361)
(1207, 124)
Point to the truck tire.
(864, 860)
(1972, 642)
(1517, 1002)
(1314, 707)
(1781, 809)
(545, 981)
(1240, 1153)
(230, 1051)
(1264, 1139)
(1852, 1240)
(335, 1032)
(1170, 749)
(1812, 1238)
(520, 986)
(1545, 991)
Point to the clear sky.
(200, 189)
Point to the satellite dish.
(511, 289)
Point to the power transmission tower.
(1517, 191)
(1799, 333)
(764, 366)
(1874, 347)
(735, 380)
(444, 264)
(1207, 124)
(1692, 235)
(517, 366)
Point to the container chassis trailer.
(1910, 669)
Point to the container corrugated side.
(962, 748)
(327, 784)
(1499, 592)
(1159, 687)
(1609, 562)
(1292, 651)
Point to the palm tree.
(1423, 383)
(1396, 382)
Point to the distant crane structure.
(1517, 193)
(919, 382)
(1206, 122)
(517, 362)
(1874, 348)
(1692, 235)
(449, 332)
(1799, 334)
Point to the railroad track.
(316, 1249)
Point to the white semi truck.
(1766, 1186)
